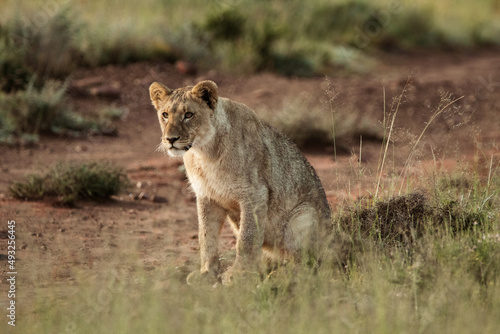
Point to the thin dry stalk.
(331, 98)
(406, 165)
(391, 128)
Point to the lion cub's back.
(290, 177)
(292, 172)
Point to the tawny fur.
(242, 171)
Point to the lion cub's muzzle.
(174, 147)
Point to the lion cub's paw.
(232, 276)
(197, 278)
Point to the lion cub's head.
(185, 115)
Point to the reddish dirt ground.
(55, 240)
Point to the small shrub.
(486, 33)
(338, 21)
(250, 47)
(35, 111)
(14, 74)
(400, 218)
(49, 50)
(227, 25)
(112, 112)
(311, 126)
(406, 218)
(262, 39)
(67, 183)
(414, 29)
(118, 44)
(190, 44)
(292, 64)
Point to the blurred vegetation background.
(43, 42)
(290, 37)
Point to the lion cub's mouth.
(173, 149)
(185, 148)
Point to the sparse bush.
(34, 111)
(302, 125)
(227, 25)
(234, 42)
(188, 43)
(403, 219)
(292, 64)
(49, 50)
(31, 112)
(400, 219)
(112, 113)
(312, 126)
(339, 22)
(66, 183)
(262, 39)
(485, 33)
(119, 44)
(413, 29)
(14, 74)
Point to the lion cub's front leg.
(249, 239)
(211, 217)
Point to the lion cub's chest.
(209, 180)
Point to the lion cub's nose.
(172, 140)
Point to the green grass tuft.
(66, 183)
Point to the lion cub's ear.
(158, 92)
(207, 91)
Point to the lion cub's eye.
(188, 115)
(165, 115)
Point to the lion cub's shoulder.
(236, 112)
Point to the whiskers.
(161, 148)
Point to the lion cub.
(244, 171)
